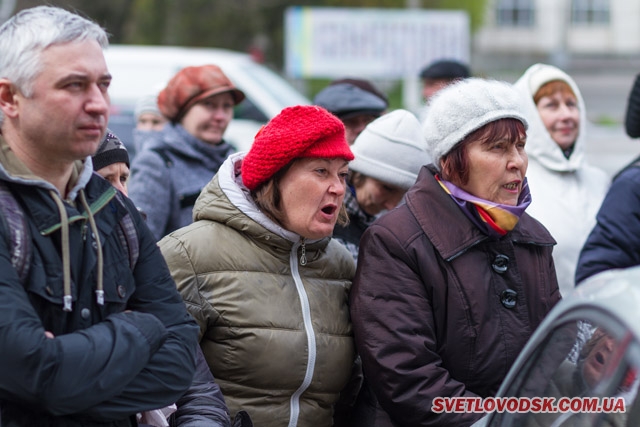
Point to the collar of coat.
(431, 206)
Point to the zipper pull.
(84, 232)
(303, 257)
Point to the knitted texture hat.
(191, 85)
(391, 149)
(464, 107)
(111, 150)
(445, 69)
(296, 132)
(146, 104)
(347, 100)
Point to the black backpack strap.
(128, 234)
(15, 223)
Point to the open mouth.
(329, 209)
(511, 186)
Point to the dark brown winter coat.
(433, 308)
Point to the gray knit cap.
(391, 149)
(111, 150)
(146, 104)
(464, 107)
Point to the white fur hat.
(391, 149)
(464, 107)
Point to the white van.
(142, 70)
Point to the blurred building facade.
(559, 30)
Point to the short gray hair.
(29, 32)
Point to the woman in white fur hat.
(567, 191)
(388, 155)
(451, 284)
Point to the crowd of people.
(354, 264)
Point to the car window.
(247, 110)
(584, 374)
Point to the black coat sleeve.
(632, 116)
(613, 242)
(203, 404)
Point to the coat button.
(122, 291)
(500, 264)
(508, 298)
(85, 313)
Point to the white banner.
(371, 43)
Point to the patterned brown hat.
(191, 85)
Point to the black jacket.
(632, 116)
(203, 404)
(107, 362)
(613, 242)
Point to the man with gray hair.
(92, 329)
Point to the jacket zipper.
(294, 403)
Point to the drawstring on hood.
(96, 236)
(66, 252)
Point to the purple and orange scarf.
(494, 219)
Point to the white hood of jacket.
(566, 193)
(230, 182)
(540, 146)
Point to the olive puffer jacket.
(441, 309)
(276, 333)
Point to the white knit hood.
(540, 146)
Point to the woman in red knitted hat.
(261, 275)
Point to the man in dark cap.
(436, 76)
(355, 102)
(441, 73)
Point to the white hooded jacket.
(566, 193)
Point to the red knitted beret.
(193, 84)
(296, 132)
